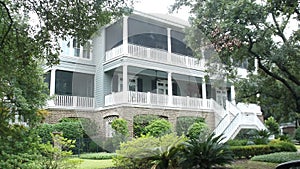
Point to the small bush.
(297, 134)
(237, 142)
(281, 146)
(272, 126)
(158, 128)
(146, 151)
(277, 157)
(98, 156)
(206, 151)
(196, 129)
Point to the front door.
(221, 97)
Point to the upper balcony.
(154, 55)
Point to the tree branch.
(288, 73)
(9, 25)
(279, 32)
(275, 76)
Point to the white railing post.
(148, 52)
(148, 98)
(75, 98)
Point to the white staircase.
(237, 117)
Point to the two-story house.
(137, 65)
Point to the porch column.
(169, 44)
(232, 93)
(125, 78)
(52, 82)
(125, 35)
(204, 92)
(170, 89)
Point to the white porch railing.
(148, 98)
(73, 101)
(156, 55)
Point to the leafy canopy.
(263, 34)
(29, 33)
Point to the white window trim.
(72, 50)
(130, 77)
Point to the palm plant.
(205, 152)
(166, 156)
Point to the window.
(76, 47)
(162, 87)
(132, 83)
(86, 50)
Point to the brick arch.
(108, 114)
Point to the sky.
(159, 6)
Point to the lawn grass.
(248, 164)
(95, 164)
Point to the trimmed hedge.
(277, 157)
(98, 156)
(254, 150)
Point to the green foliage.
(272, 126)
(57, 156)
(297, 134)
(18, 148)
(148, 151)
(140, 122)
(183, 124)
(158, 128)
(261, 137)
(120, 126)
(254, 150)
(254, 136)
(205, 152)
(70, 130)
(277, 157)
(282, 145)
(120, 135)
(98, 156)
(196, 129)
(238, 35)
(237, 142)
(24, 46)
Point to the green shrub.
(98, 156)
(140, 122)
(297, 134)
(120, 126)
(277, 157)
(70, 130)
(205, 152)
(196, 129)
(183, 124)
(272, 126)
(280, 146)
(158, 128)
(237, 142)
(250, 151)
(254, 150)
(147, 151)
